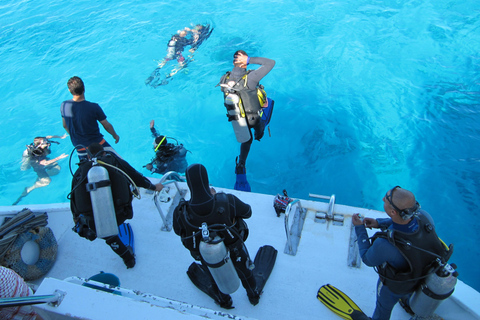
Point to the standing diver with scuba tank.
(212, 228)
(247, 105)
(409, 257)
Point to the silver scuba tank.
(217, 257)
(437, 287)
(102, 202)
(239, 122)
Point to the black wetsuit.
(188, 217)
(253, 80)
(81, 205)
(168, 157)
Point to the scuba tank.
(437, 287)
(102, 202)
(171, 48)
(236, 115)
(217, 257)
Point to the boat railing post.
(329, 215)
(331, 205)
(294, 228)
(288, 209)
(172, 177)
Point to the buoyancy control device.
(102, 202)
(438, 286)
(244, 105)
(217, 257)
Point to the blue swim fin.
(241, 182)
(125, 233)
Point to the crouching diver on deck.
(211, 226)
(101, 200)
(410, 259)
(247, 106)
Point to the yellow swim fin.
(340, 303)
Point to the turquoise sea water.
(368, 95)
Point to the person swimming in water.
(36, 157)
(176, 45)
(168, 156)
(192, 37)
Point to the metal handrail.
(171, 174)
(331, 205)
(52, 299)
(312, 195)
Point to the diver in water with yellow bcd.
(247, 105)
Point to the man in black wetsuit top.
(240, 75)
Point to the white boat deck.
(159, 278)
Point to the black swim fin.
(203, 280)
(125, 233)
(154, 76)
(340, 303)
(264, 263)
